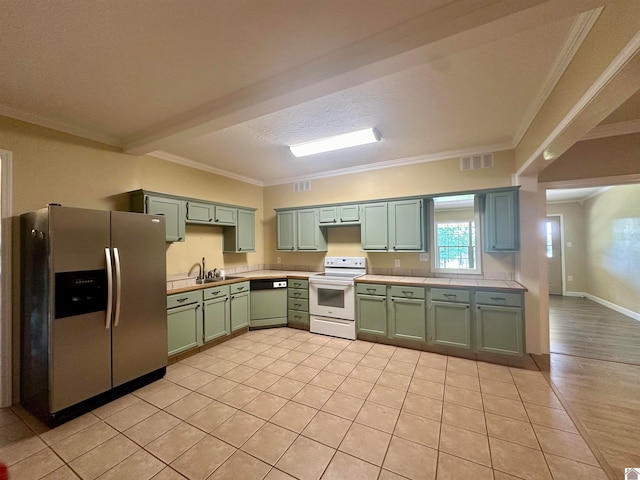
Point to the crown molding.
(613, 130)
(434, 157)
(60, 126)
(201, 166)
(572, 42)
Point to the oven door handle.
(326, 281)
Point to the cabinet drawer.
(499, 299)
(298, 316)
(298, 293)
(215, 292)
(298, 283)
(298, 304)
(180, 299)
(371, 289)
(406, 292)
(239, 287)
(450, 295)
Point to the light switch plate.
(570, 278)
(396, 262)
(279, 260)
(424, 257)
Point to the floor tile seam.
(54, 453)
(297, 435)
(68, 464)
(564, 456)
(118, 432)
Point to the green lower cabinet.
(184, 328)
(407, 319)
(216, 318)
(450, 324)
(500, 330)
(371, 315)
(239, 307)
(298, 316)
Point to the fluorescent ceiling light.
(346, 140)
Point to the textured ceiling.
(226, 85)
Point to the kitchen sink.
(219, 279)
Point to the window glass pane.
(455, 233)
(549, 238)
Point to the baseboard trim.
(613, 306)
(574, 294)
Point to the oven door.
(332, 298)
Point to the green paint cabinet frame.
(450, 324)
(173, 211)
(241, 238)
(500, 330)
(371, 313)
(501, 224)
(184, 328)
(216, 315)
(407, 320)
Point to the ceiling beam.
(389, 51)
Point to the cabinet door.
(286, 230)
(405, 225)
(501, 222)
(216, 320)
(225, 215)
(309, 235)
(371, 314)
(199, 212)
(500, 330)
(328, 215)
(450, 324)
(239, 311)
(246, 231)
(174, 216)
(184, 328)
(350, 214)
(374, 230)
(407, 319)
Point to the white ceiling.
(227, 85)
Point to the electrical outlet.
(569, 244)
(279, 260)
(424, 257)
(396, 262)
(570, 278)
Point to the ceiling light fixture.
(346, 140)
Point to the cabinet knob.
(211, 220)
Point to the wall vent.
(474, 162)
(302, 186)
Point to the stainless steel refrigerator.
(93, 316)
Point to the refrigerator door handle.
(116, 258)
(107, 253)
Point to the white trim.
(6, 372)
(201, 166)
(613, 306)
(613, 130)
(572, 42)
(600, 191)
(433, 157)
(575, 294)
(593, 182)
(618, 63)
(60, 126)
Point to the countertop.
(189, 285)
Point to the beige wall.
(50, 166)
(426, 178)
(574, 233)
(612, 224)
(598, 158)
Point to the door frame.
(562, 252)
(6, 318)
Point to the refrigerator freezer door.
(80, 345)
(139, 341)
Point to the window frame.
(478, 247)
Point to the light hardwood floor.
(602, 393)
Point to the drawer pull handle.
(297, 294)
(499, 299)
(371, 290)
(216, 292)
(408, 293)
(240, 288)
(180, 300)
(450, 295)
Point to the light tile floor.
(281, 403)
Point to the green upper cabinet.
(339, 215)
(198, 212)
(407, 225)
(224, 215)
(501, 222)
(300, 230)
(241, 238)
(173, 211)
(394, 226)
(374, 233)
(286, 230)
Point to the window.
(455, 234)
(549, 239)
(456, 243)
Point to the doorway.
(5, 279)
(553, 247)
